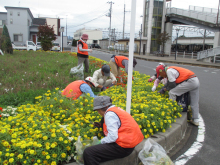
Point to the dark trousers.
(104, 152)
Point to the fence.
(203, 16)
(209, 53)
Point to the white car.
(39, 46)
(55, 47)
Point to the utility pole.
(110, 15)
(66, 25)
(204, 39)
(140, 33)
(124, 22)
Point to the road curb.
(167, 140)
(209, 65)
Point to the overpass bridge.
(201, 17)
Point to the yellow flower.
(25, 162)
(53, 145)
(53, 163)
(54, 155)
(48, 157)
(31, 152)
(56, 89)
(45, 137)
(63, 155)
(51, 106)
(60, 139)
(61, 101)
(11, 160)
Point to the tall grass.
(27, 74)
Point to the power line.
(90, 20)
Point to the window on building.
(28, 22)
(11, 13)
(18, 37)
(11, 21)
(1, 23)
(18, 13)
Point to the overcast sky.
(77, 12)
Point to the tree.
(74, 42)
(162, 39)
(5, 41)
(46, 36)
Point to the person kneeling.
(122, 133)
(101, 80)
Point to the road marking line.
(195, 147)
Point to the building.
(22, 26)
(94, 35)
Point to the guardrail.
(208, 53)
(203, 16)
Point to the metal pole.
(131, 54)
(123, 24)
(66, 25)
(218, 13)
(177, 31)
(204, 40)
(140, 40)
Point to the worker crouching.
(122, 133)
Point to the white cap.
(161, 64)
(91, 80)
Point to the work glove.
(97, 125)
(156, 82)
(99, 142)
(111, 85)
(161, 91)
(150, 80)
(154, 88)
(103, 88)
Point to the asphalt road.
(209, 110)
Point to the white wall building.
(94, 35)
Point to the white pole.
(192, 54)
(184, 54)
(149, 29)
(131, 53)
(61, 42)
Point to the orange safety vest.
(84, 46)
(73, 89)
(129, 133)
(184, 74)
(119, 59)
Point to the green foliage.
(162, 38)
(5, 43)
(25, 75)
(46, 36)
(74, 43)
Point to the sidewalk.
(170, 59)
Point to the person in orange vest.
(83, 51)
(180, 81)
(78, 87)
(122, 133)
(120, 61)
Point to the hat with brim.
(106, 70)
(100, 102)
(159, 69)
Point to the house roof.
(21, 8)
(3, 12)
(39, 21)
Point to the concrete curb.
(161, 59)
(167, 140)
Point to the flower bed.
(45, 132)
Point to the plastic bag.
(183, 100)
(154, 154)
(82, 145)
(78, 71)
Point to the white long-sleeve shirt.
(112, 122)
(98, 75)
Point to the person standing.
(117, 62)
(180, 81)
(78, 87)
(83, 52)
(101, 80)
(122, 133)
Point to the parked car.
(95, 46)
(55, 47)
(30, 45)
(39, 46)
